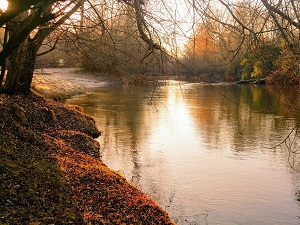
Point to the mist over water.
(203, 152)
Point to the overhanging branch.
(141, 26)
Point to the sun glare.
(3, 5)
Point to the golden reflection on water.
(172, 122)
(199, 155)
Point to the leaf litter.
(51, 173)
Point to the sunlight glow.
(3, 5)
(173, 22)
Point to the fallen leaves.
(50, 169)
(104, 196)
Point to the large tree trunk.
(15, 69)
(21, 67)
(28, 68)
(16, 60)
(21, 62)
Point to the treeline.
(274, 61)
(232, 39)
(242, 40)
(238, 40)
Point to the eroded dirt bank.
(50, 172)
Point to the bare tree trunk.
(28, 68)
(16, 66)
(16, 59)
(3, 63)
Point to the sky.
(173, 19)
(3, 4)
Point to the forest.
(234, 40)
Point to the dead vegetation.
(50, 172)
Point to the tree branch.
(17, 6)
(235, 18)
(280, 13)
(141, 25)
(30, 23)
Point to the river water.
(203, 152)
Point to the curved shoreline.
(50, 171)
(54, 88)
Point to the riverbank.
(63, 83)
(55, 88)
(50, 171)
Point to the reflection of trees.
(119, 114)
(123, 117)
(241, 125)
(288, 97)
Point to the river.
(203, 152)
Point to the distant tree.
(286, 18)
(203, 53)
(259, 62)
(248, 25)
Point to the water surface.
(202, 151)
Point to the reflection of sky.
(173, 125)
(200, 156)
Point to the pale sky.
(3, 4)
(173, 21)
